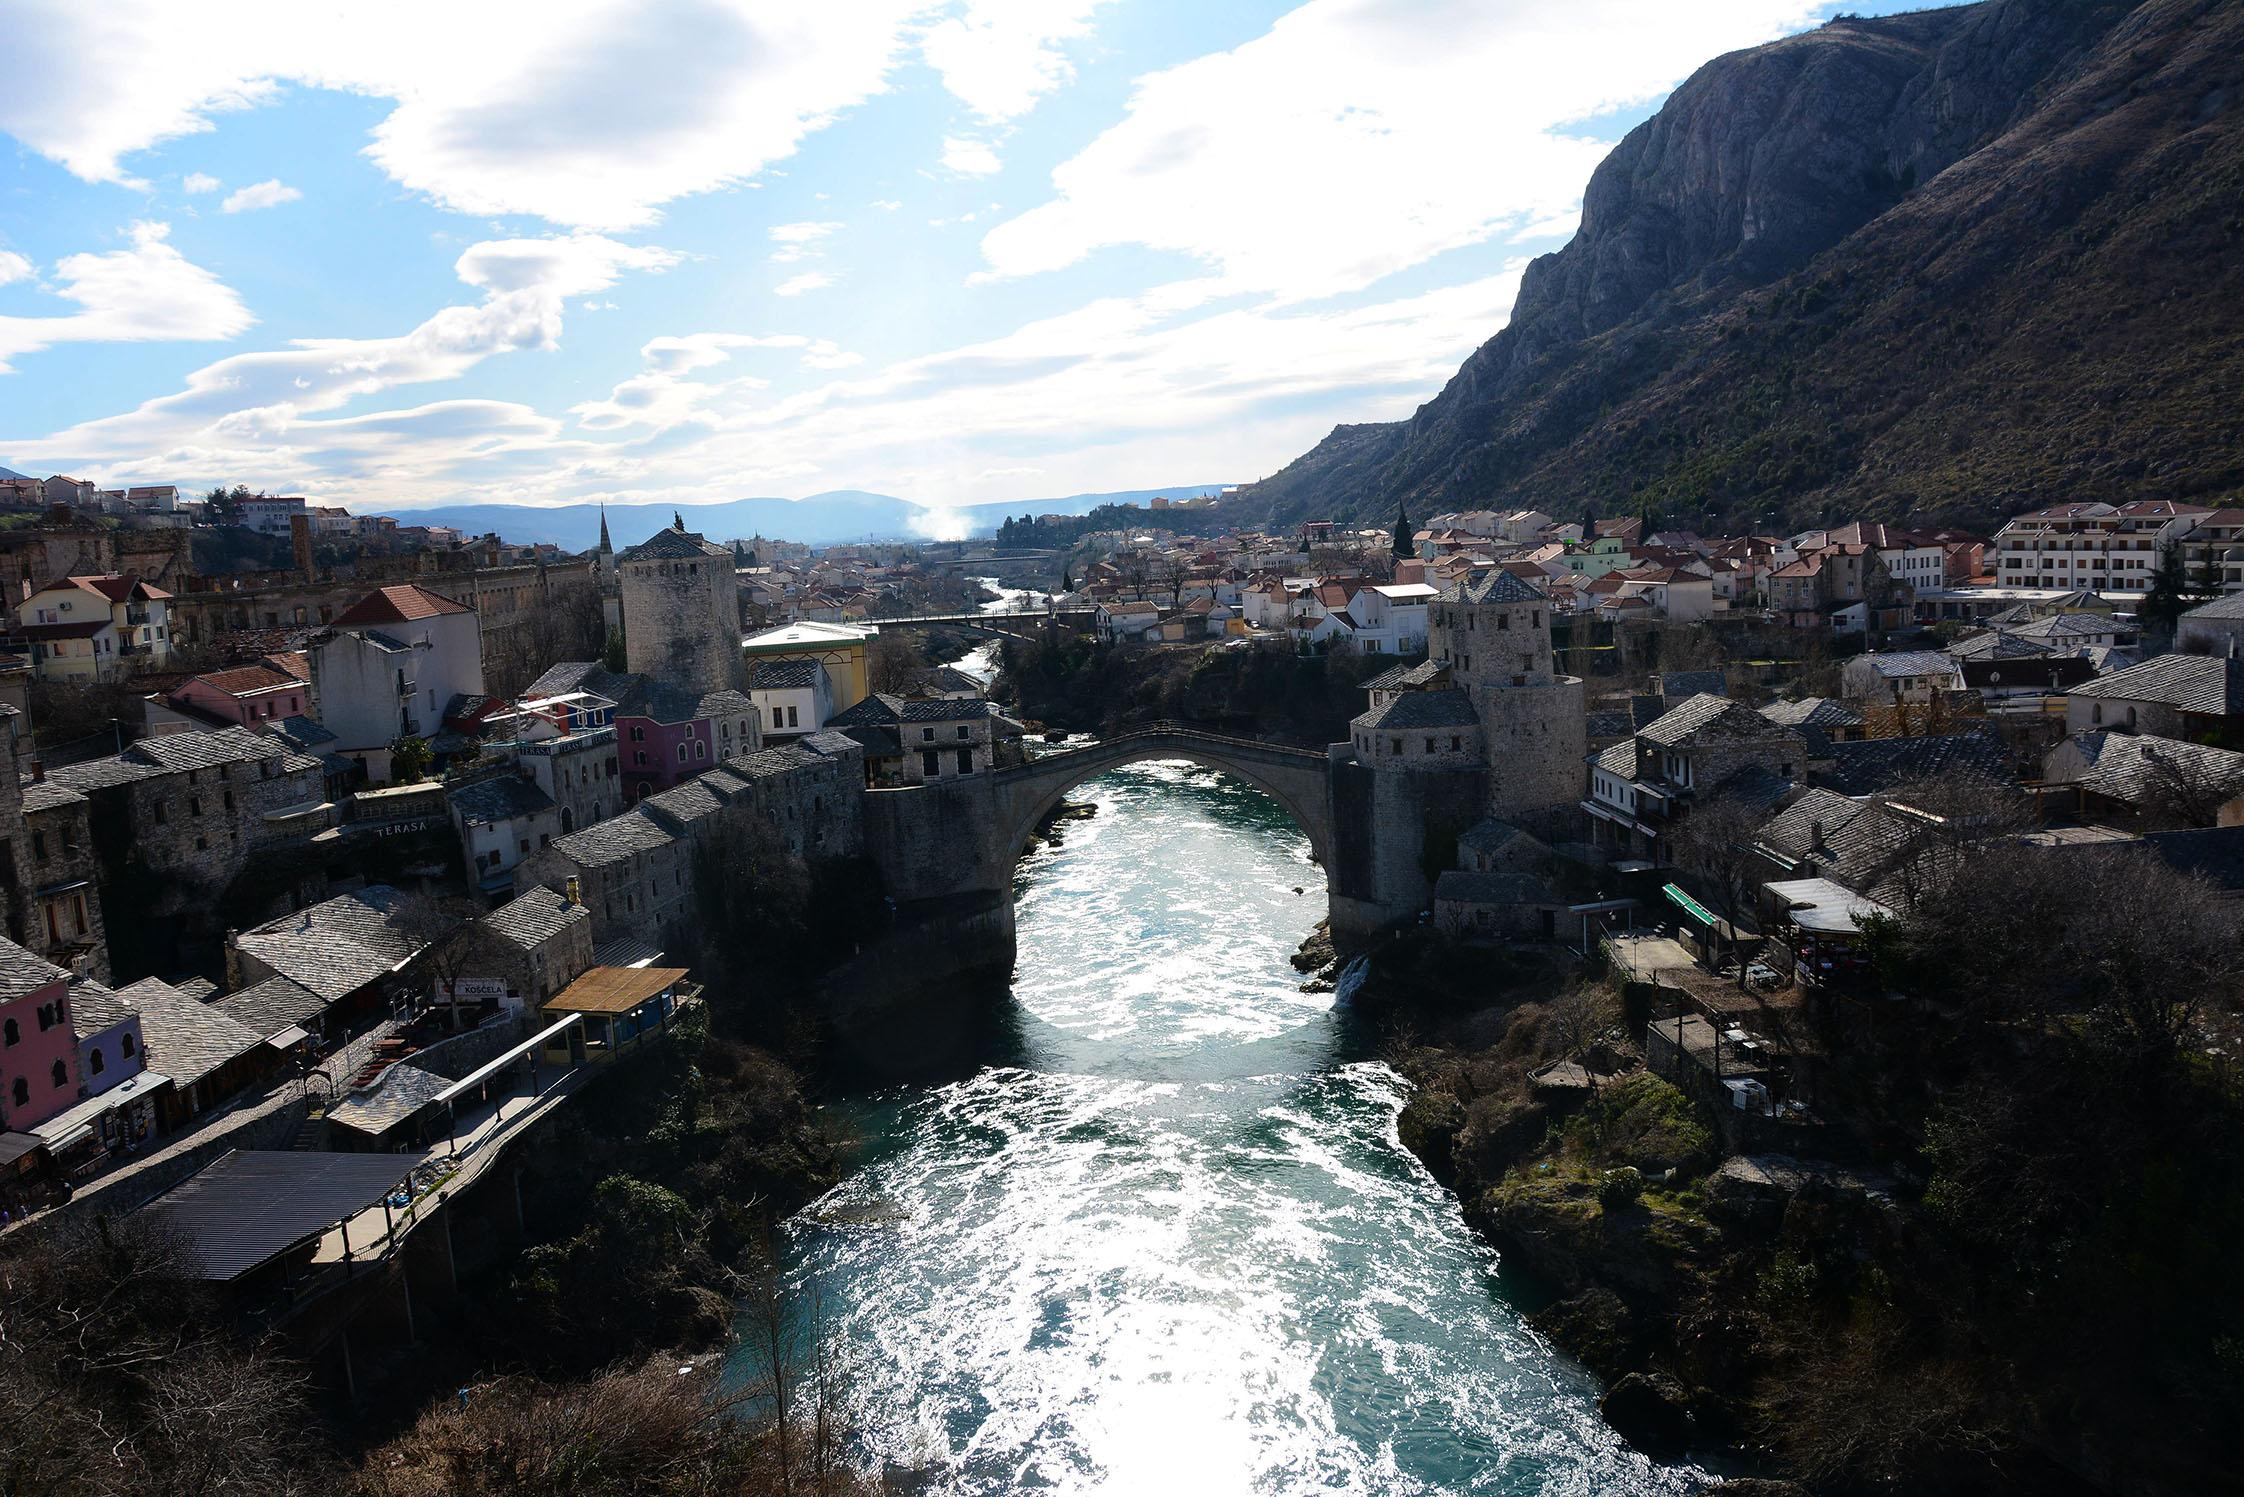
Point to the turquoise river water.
(1164, 1240)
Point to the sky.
(693, 250)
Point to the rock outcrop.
(1934, 264)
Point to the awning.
(1689, 906)
(56, 1130)
(287, 1039)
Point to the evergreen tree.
(1406, 545)
(2168, 595)
(613, 656)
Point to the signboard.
(475, 992)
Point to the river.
(1163, 1239)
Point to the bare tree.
(2183, 785)
(1715, 842)
(894, 662)
(1578, 1019)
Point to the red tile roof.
(398, 605)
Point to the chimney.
(300, 542)
(38, 772)
(575, 892)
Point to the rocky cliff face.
(1934, 264)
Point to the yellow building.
(843, 649)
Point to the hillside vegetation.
(1937, 265)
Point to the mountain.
(1936, 265)
(818, 520)
(8, 473)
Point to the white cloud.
(147, 293)
(253, 412)
(199, 182)
(999, 57)
(799, 241)
(809, 280)
(270, 193)
(1437, 123)
(887, 205)
(969, 157)
(692, 95)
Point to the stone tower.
(1493, 631)
(681, 611)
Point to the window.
(95, 1063)
(125, 1044)
(229, 800)
(963, 732)
(1503, 621)
(965, 761)
(775, 722)
(700, 749)
(194, 805)
(927, 735)
(639, 757)
(792, 720)
(12, 1033)
(61, 1074)
(1429, 745)
(681, 753)
(929, 764)
(639, 735)
(20, 1092)
(39, 844)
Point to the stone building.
(681, 611)
(635, 872)
(536, 943)
(1493, 631)
(921, 742)
(176, 821)
(49, 894)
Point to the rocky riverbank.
(1801, 1319)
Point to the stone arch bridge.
(1298, 779)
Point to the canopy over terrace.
(618, 1006)
(250, 1207)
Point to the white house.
(1131, 620)
(389, 666)
(792, 697)
(1391, 619)
(96, 628)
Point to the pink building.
(38, 1047)
(254, 696)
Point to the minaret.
(605, 576)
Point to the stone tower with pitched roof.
(1493, 631)
(681, 610)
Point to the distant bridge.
(1296, 778)
(1024, 625)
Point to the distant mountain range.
(818, 520)
(1942, 265)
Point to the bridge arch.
(1296, 778)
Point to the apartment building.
(2099, 547)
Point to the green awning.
(1691, 907)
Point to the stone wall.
(1537, 747)
(932, 841)
(1393, 832)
